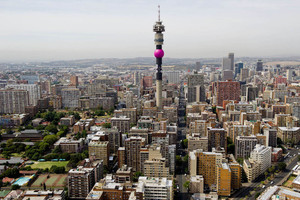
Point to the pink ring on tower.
(159, 53)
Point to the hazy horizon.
(47, 30)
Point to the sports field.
(49, 164)
(54, 180)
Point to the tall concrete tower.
(158, 28)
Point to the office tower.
(74, 81)
(259, 65)
(289, 74)
(196, 89)
(244, 74)
(217, 138)
(137, 78)
(226, 90)
(13, 101)
(231, 57)
(70, 97)
(133, 146)
(226, 64)
(99, 151)
(122, 123)
(172, 76)
(198, 66)
(34, 91)
(158, 28)
(129, 99)
(147, 82)
(205, 164)
(262, 155)
(244, 145)
(238, 67)
(223, 179)
(227, 75)
(154, 188)
(251, 93)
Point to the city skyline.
(58, 30)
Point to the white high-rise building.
(262, 155)
(34, 91)
(13, 101)
(172, 76)
(154, 188)
(289, 74)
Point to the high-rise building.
(13, 101)
(259, 65)
(262, 155)
(122, 123)
(231, 57)
(99, 151)
(238, 68)
(251, 93)
(147, 82)
(205, 164)
(244, 145)
(81, 180)
(34, 91)
(226, 90)
(223, 179)
(172, 76)
(259, 161)
(70, 97)
(137, 78)
(133, 146)
(154, 188)
(227, 75)
(196, 89)
(289, 74)
(74, 81)
(217, 138)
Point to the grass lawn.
(61, 181)
(49, 164)
(50, 181)
(289, 182)
(41, 179)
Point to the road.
(278, 180)
(182, 193)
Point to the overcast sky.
(76, 29)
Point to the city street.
(278, 180)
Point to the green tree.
(184, 143)
(136, 176)
(15, 187)
(106, 125)
(50, 139)
(257, 195)
(231, 149)
(187, 185)
(51, 128)
(281, 166)
(266, 174)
